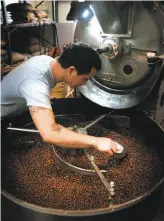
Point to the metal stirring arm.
(36, 131)
(97, 120)
(108, 186)
(22, 129)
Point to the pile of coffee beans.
(31, 172)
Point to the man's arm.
(54, 133)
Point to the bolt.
(112, 193)
(92, 158)
(111, 184)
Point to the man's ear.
(72, 70)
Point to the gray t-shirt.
(29, 84)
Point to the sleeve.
(36, 92)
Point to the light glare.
(85, 13)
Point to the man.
(29, 86)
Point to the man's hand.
(106, 145)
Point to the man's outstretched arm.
(54, 133)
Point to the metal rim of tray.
(73, 213)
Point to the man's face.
(75, 80)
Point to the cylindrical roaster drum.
(126, 32)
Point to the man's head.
(81, 63)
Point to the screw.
(111, 184)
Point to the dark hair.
(82, 57)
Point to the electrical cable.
(43, 32)
(40, 37)
(39, 3)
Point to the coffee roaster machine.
(129, 36)
(127, 47)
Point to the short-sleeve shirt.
(29, 84)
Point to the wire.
(44, 44)
(40, 37)
(39, 4)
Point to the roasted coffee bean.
(32, 172)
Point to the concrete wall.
(65, 33)
(65, 28)
(63, 9)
